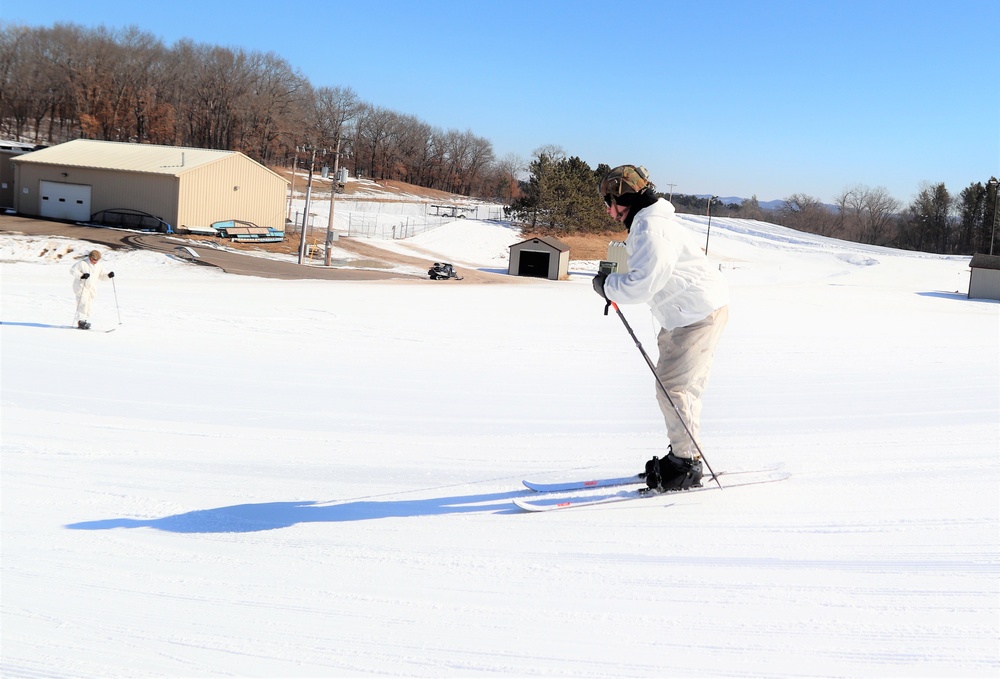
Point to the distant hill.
(728, 200)
(764, 204)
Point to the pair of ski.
(91, 329)
(729, 479)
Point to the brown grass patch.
(390, 190)
(587, 246)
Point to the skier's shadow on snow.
(34, 325)
(250, 518)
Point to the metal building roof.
(983, 261)
(551, 241)
(113, 155)
(15, 146)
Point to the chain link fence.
(386, 219)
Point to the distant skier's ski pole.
(652, 368)
(117, 309)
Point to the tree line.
(560, 196)
(67, 82)
(934, 221)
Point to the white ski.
(550, 503)
(586, 484)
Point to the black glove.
(599, 283)
(111, 274)
(85, 276)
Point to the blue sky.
(765, 98)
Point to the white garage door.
(64, 201)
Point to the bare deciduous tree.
(868, 215)
(333, 111)
(504, 182)
(750, 209)
(374, 127)
(68, 81)
(807, 213)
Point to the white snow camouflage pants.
(85, 293)
(683, 367)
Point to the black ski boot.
(673, 473)
(651, 466)
(83, 325)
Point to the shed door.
(64, 201)
(534, 264)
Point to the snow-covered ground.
(265, 478)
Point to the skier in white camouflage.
(689, 297)
(85, 274)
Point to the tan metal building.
(544, 257)
(185, 187)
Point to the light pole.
(995, 183)
(709, 231)
(291, 194)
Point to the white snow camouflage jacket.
(86, 287)
(667, 270)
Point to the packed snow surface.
(265, 478)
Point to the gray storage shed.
(182, 186)
(543, 257)
(984, 282)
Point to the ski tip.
(526, 506)
(529, 506)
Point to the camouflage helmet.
(624, 179)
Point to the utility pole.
(995, 183)
(671, 198)
(305, 210)
(709, 231)
(333, 194)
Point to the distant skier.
(689, 298)
(85, 274)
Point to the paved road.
(230, 262)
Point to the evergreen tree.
(971, 218)
(561, 195)
(927, 226)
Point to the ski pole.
(117, 309)
(659, 382)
